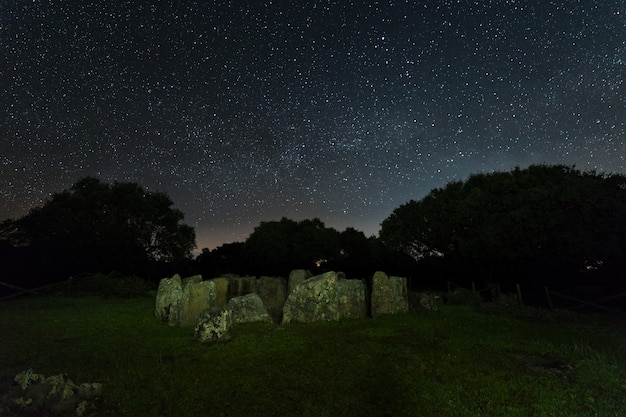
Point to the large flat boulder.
(389, 295)
(248, 308)
(325, 297)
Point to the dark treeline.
(543, 225)
(278, 247)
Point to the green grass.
(459, 362)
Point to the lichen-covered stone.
(247, 309)
(389, 295)
(296, 277)
(169, 300)
(325, 297)
(55, 395)
(194, 279)
(273, 292)
(214, 325)
(197, 297)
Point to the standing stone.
(247, 309)
(221, 290)
(273, 292)
(169, 300)
(214, 325)
(197, 297)
(325, 297)
(192, 280)
(296, 277)
(389, 295)
(241, 286)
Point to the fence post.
(519, 295)
(473, 287)
(545, 288)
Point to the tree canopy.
(548, 216)
(95, 226)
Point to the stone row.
(213, 305)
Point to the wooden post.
(519, 295)
(545, 288)
(473, 287)
(448, 287)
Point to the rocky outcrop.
(214, 325)
(247, 309)
(273, 292)
(296, 277)
(389, 295)
(169, 300)
(197, 297)
(56, 395)
(325, 297)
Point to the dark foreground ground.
(462, 361)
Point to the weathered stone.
(389, 295)
(247, 309)
(55, 395)
(214, 325)
(325, 297)
(296, 277)
(194, 279)
(169, 300)
(273, 292)
(241, 286)
(431, 302)
(221, 291)
(197, 297)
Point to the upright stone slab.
(273, 292)
(214, 325)
(389, 295)
(325, 297)
(221, 290)
(296, 277)
(197, 297)
(351, 302)
(194, 279)
(169, 300)
(247, 309)
(241, 286)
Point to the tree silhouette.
(101, 227)
(551, 218)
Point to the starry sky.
(247, 111)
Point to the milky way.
(337, 110)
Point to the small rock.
(214, 325)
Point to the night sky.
(331, 109)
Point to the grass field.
(458, 362)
